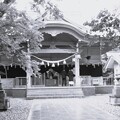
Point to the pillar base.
(77, 82)
(114, 100)
(115, 97)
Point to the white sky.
(79, 11)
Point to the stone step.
(54, 92)
(50, 97)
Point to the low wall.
(21, 92)
(107, 89)
(7, 83)
(88, 90)
(8, 92)
(18, 92)
(92, 90)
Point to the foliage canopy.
(106, 27)
(17, 30)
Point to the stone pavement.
(67, 109)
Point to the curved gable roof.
(58, 27)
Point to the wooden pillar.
(77, 70)
(77, 67)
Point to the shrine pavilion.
(65, 47)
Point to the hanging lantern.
(42, 63)
(58, 63)
(53, 65)
(48, 63)
(94, 65)
(73, 59)
(10, 65)
(64, 62)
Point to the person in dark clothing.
(63, 73)
(70, 75)
(50, 74)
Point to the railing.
(91, 81)
(20, 82)
(38, 81)
(108, 81)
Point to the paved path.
(67, 109)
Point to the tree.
(106, 28)
(17, 30)
(50, 10)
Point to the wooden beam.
(59, 43)
(54, 51)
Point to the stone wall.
(88, 90)
(16, 92)
(8, 92)
(107, 89)
(92, 90)
(19, 92)
(8, 86)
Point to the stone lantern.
(4, 102)
(115, 97)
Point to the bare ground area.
(20, 107)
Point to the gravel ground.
(102, 102)
(20, 108)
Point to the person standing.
(63, 73)
(71, 76)
(50, 74)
